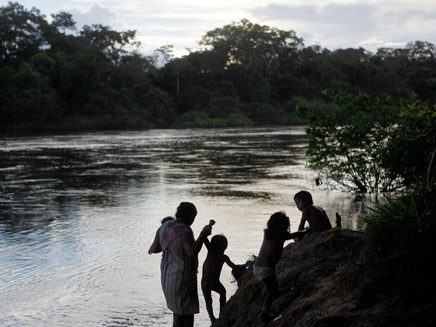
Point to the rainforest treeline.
(54, 76)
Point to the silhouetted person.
(314, 215)
(179, 263)
(275, 235)
(212, 267)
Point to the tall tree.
(21, 35)
(251, 45)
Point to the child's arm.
(298, 234)
(303, 220)
(155, 246)
(206, 241)
(229, 262)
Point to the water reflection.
(43, 176)
(77, 213)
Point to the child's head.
(303, 199)
(167, 219)
(186, 212)
(277, 224)
(219, 243)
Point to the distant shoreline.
(90, 127)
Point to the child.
(315, 216)
(275, 235)
(211, 272)
(155, 246)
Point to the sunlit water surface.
(78, 213)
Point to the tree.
(347, 141)
(63, 21)
(162, 55)
(107, 41)
(20, 33)
(158, 107)
(251, 45)
(412, 142)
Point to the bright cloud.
(330, 23)
(95, 14)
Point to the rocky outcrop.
(326, 283)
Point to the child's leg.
(207, 293)
(271, 287)
(221, 290)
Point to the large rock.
(326, 284)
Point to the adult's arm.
(191, 246)
(155, 246)
(207, 243)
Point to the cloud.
(340, 22)
(180, 23)
(353, 24)
(95, 14)
(330, 23)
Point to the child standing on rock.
(275, 235)
(212, 270)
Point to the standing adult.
(179, 263)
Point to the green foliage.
(345, 141)
(107, 42)
(251, 45)
(222, 107)
(395, 225)
(411, 142)
(370, 143)
(304, 107)
(21, 35)
(264, 113)
(401, 234)
(245, 70)
(159, 107)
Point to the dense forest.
(53, 76)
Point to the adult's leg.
(188, 321)
(177, 320)
(183, 320)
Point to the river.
(78, 213)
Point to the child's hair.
(186, 211)
(219, 243)
(277, 224)
(167, 219)
(305, 196)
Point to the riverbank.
(131, 122)
(328, 283)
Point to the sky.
(331, 24)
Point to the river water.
(78, 213)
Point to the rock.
(326, 284)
